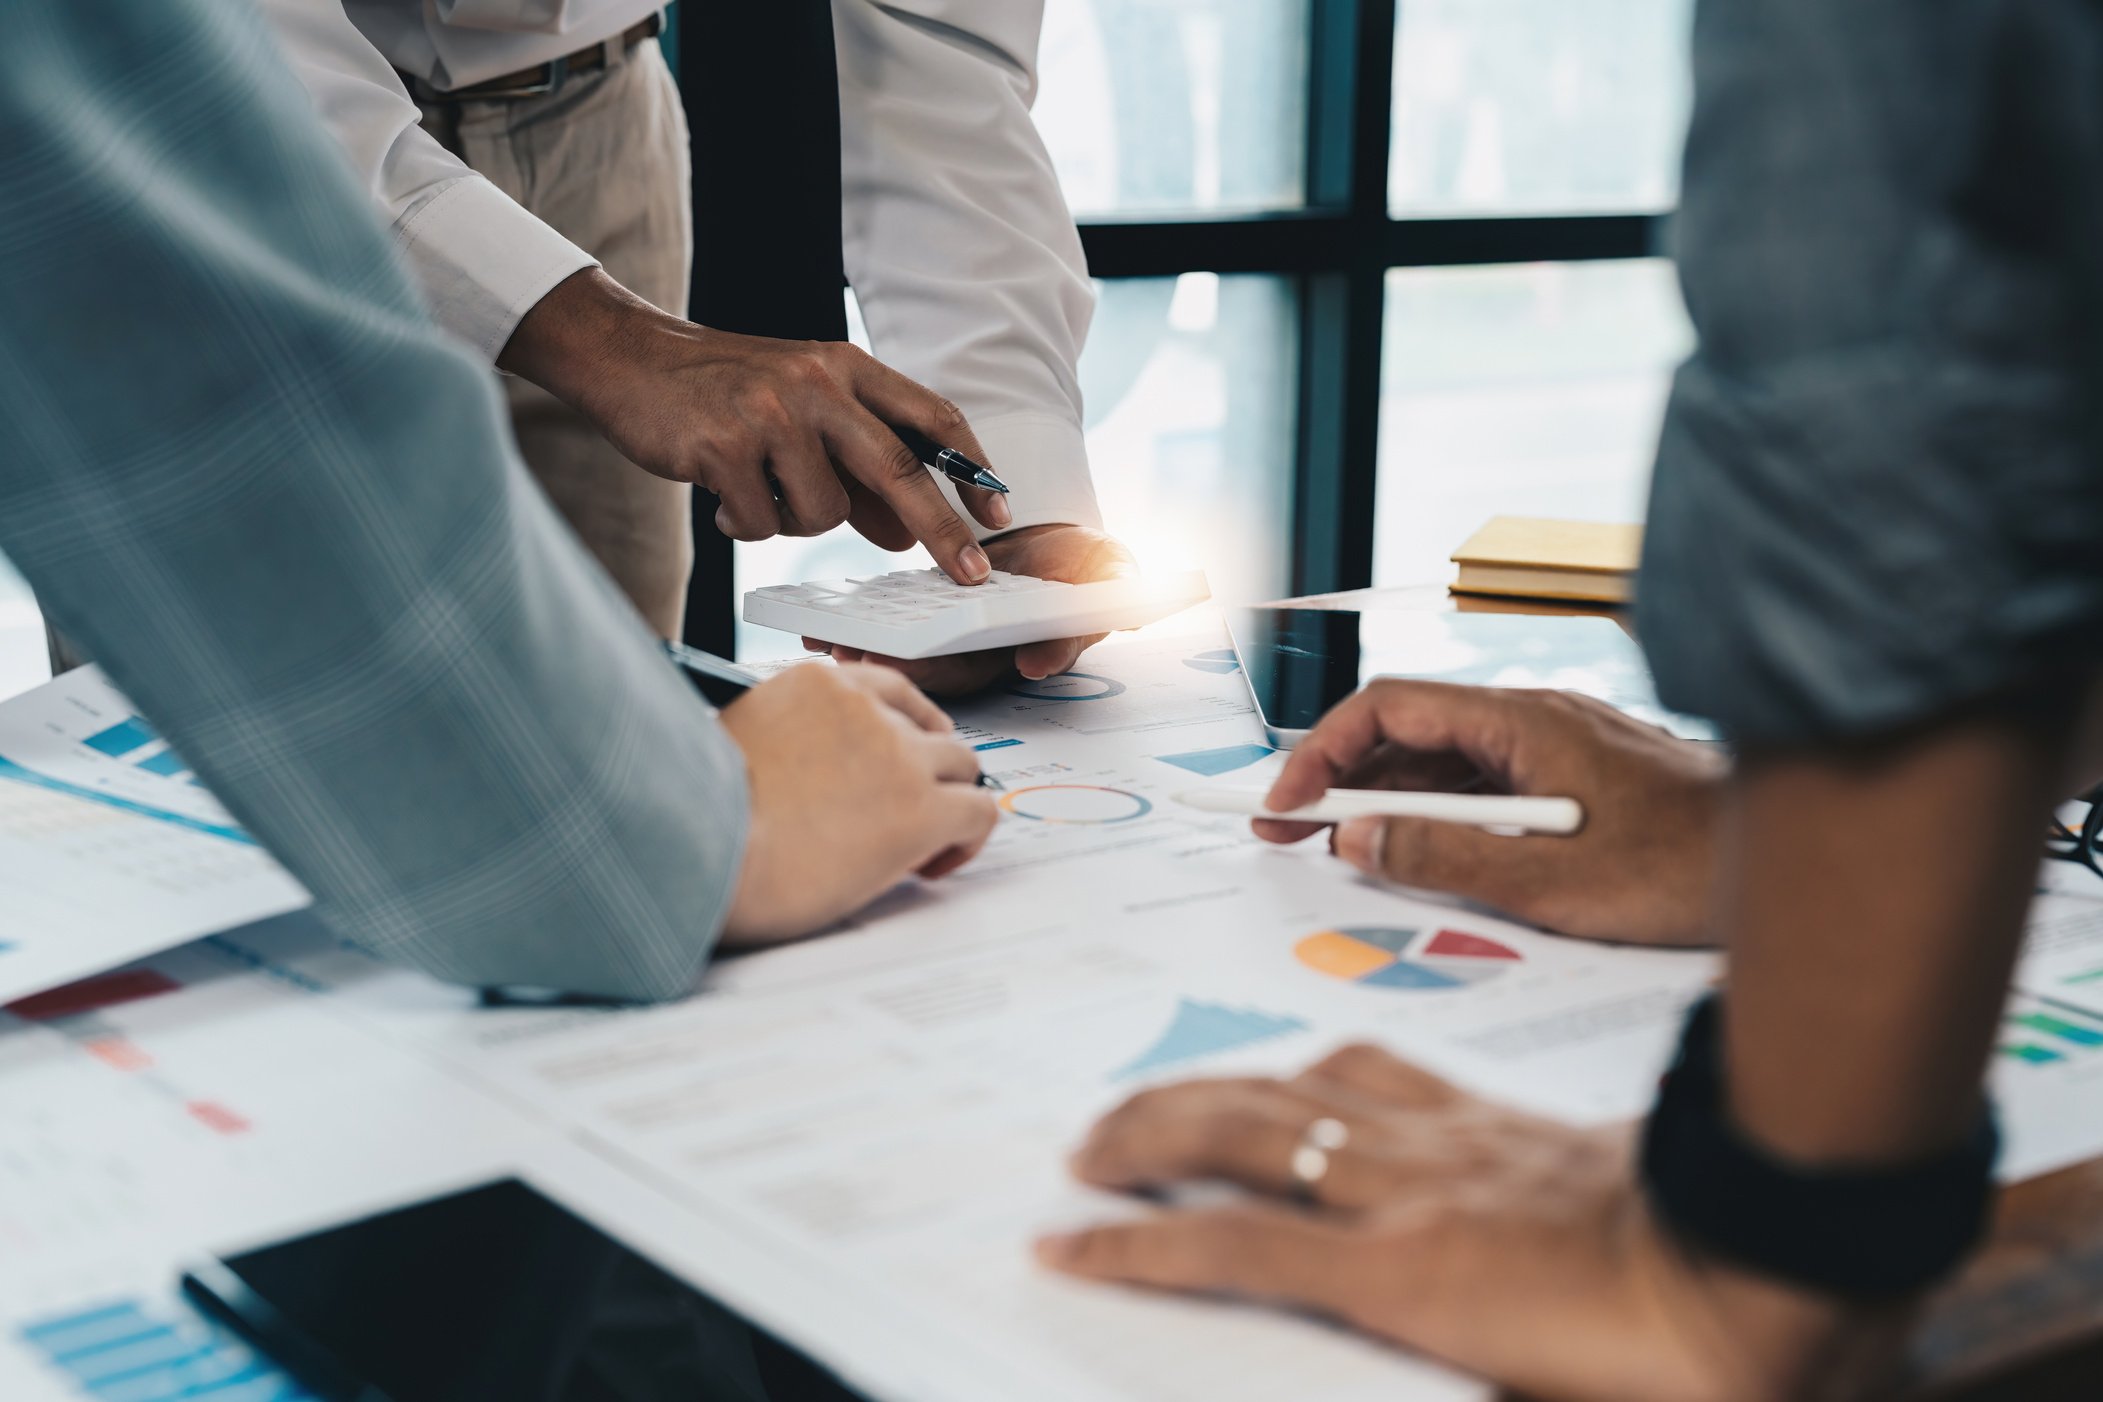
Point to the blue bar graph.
(167, 762)
(121, 738)
(122, 1353)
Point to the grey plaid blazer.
(240, 464)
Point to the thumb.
(1451, 857)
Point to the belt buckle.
(557, 71)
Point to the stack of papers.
(854, 1139)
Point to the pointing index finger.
(1429, 716)
(881, 461)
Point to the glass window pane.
(1526, 391)
(23, 659)
(1538, 106)
(1188, 383)
(1163, 106)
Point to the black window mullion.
(1351, 83)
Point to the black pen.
(721, 683)
(949, 462)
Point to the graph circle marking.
(1068, 686)
(1383, 956)
(1077, 804)
(1220, 662)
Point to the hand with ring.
(1513, 1247)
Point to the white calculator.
(923, 613)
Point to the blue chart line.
(10, 770)
(1203, 1029)
(1224, 760)
(997, 745)
(121, 1353)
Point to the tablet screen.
(495, 1295)
(1301, 662)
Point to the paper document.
(171, 1108)
(109, 847)
(890, 1108)
(854, 1139)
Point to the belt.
(545, 78)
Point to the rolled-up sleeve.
(480, 258)
(1879, 487)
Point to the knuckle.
(1218, 1134)
(829, 514)
(809, 368)
(947, 415)
(902, 464)
(746, 529)
(768, 412)
(1353, 1057)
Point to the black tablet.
(496, 1294)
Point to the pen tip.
(985, 478)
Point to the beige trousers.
(604, 162)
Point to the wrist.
(570, 340)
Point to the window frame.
(1338, 250)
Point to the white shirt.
(958, 243)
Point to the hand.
(856, 780)
(747, 418)
(1512, 1247)
(1640, 869)
(1074, 554)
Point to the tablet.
(496, 1294)
(1300, 662)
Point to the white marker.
(1557, 816)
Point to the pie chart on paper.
(1393, 957)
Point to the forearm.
(1872, 902)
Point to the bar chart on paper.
(129, 1351)
(80, 736)
(109, 847)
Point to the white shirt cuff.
(1044, 461)
(483, 261)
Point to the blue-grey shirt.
(1879, 491)
(240, 464)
